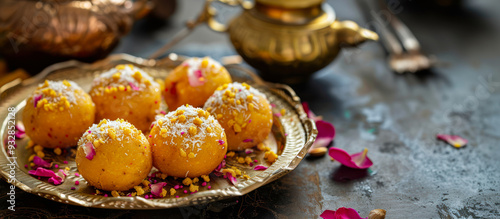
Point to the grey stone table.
(395, 116)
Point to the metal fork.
(401, 61)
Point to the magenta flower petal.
(310, 113)
(326, 133)
(221, 165)
(157, 188)
(328, 214)
(453, 140)
(39, 162)
(248, 140)
(59, 177)
(260, 167)
(133, 86)
(231, 178)
(357, 161)
(20, 126)
(196, 78)
(20, 134)
(89, 150)
(221, 142)
(42, 172)
(341, 213)
(248, 151)
(36, 99)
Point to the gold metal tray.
(292, 135)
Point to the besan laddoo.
(187, 142)
(113, 155)
(243, 112)
(57, 113)
(128, 93)
(194, 81)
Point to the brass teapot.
(288, 40)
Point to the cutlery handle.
(407, 38)
(388, 38)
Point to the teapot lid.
(296, 4)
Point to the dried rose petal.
(248, 140)
(231, 178)
(453, 140)
(89, 150)
(310, 113)
(19, 132)
(39, 162)
(260, 167)
(221, 165)
(133, 86)
(20, 126)
(36, 99)
(326, 133)
(357, 161)
(248, 151)
(196, 78)
(341, 213)
(42, 172)
(157, 188)
(59, 177)
(221, 142)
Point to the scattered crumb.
(139, 190)
(114, 193)
(206, 178)
(187, 181)
(193, 188)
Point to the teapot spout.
(351, 34)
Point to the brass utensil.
(286, 40)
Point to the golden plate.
(292, 135)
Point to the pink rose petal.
(196, 78)
(36, 99)
(55, 178)
(133, 86)
(42, 172)
(357, 161)
(20, 126)
(248, 151)
(248, 140)
(221, 142)
(260, 167)
(89, 150)
(453, 140)
(39, 162)
(231, 178)
(341, 213)
(157, 188)
(310, 113)
(326, 133)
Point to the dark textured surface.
(395, 116)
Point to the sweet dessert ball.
(126, 92)
(243, 112)
(194, 81)
(113, 155)
(187, 142)
(57, 113)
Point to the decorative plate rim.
(284, 166)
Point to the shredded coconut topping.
(190, 124)
(54, 91)
(205, 64)
(107, 131)
(236, 97)
(125, 75)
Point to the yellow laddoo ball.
(194, 81)
(126, 92)
(57, 113)
(188, 142)
(243, 112)
(113, 155)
